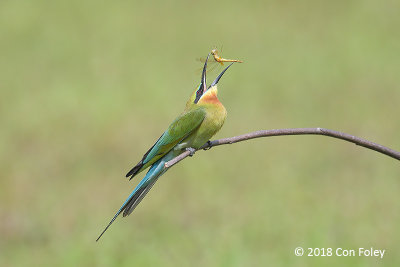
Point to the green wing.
(179, 129)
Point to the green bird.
(202, 118)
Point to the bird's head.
(202, 91)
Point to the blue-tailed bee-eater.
(202, 118)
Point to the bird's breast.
(212, 123)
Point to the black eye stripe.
(199, 93)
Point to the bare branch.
(295, 131)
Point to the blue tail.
(140, 191)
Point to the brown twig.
(296, 131)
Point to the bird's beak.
(203, 83)
(219, 76)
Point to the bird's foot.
(209, 145)
(191, 150)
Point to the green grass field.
(88, 86)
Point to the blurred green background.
(88, 86)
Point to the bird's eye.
(198, 94)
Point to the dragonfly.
(218, 61)
(222, 60)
